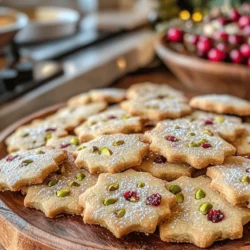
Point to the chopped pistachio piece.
(104, 120)
(124, 117)
(120, 213)
(106, 151)
(245, 179)
(202, 141)
(109, 201)
(26, 163)
(179, 198)
(190, 134)
(95, 149)
(113, 187)
(205, 207)
(220, 119)
(199, 194)
(193, 144)
(118, 143)
(63, 193)
(174, 189)
(141, 184)
(40, 152)
(208, 132)
(177, 127)
(25, 135)
(74, 184)
(52, 183)
(80, 176)
(81, 148)
(74, 141)
(48, 136)
(92, 123)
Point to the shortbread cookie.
(110, 95)
(232, 180)
(156, 109)
(228, 127)
(108, 122)
(29, 167)
(79, 100)
(127, 202)
(223, 104)
(242, 143)
(183, 141)
(159, 167)
(201, 215)
(111, 153)
(60, 191)
(71, 117)
(148, 90)
(34, 135)
(69, 143)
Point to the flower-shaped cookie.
(223, 104)
(29, 167)
(34, 135)
(60, 191)
(159, 167)
(201, 215)
(108, 122)
(111, 153)
(72, 117)
(232, 180)
(150, 90)
(183, 141)
(127, 202)
(110, 95)
(228, 127)
(157, 108)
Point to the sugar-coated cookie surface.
(111, 153)
(60, 191)
(184, 141)
(34, 135)
(79, 100)
(228, 127)
(159, 167)
(108, 122)
(127, 202)
(29, 167)
(148, 90)
(201, 215)
(242, 143)
(232, 180)
(157, 108)
(71, 117)
(224, 104)
(110, 95)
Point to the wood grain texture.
(24, 228)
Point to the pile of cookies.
(134, 160)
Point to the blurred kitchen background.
(51, 50)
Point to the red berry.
(235, 39)
(248, 169)
(223, 21)
(65, 145)
(236, 56)
(171, 138)
(154, 200)
(234, 15)
(112, 117)
(11, 157)
(215, 216)
(222, 47)
(204, 45)
(247, 157)
(244, 21)
(206, 145)
(245, 50)
(216, 55)
(248, 62)
(160, 159)
(131, 196)
(246, 30)
(194, 39)
(208, 122)
(50, 130)
(220, 36)
(175, 35)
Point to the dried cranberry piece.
(11, 157)
(131, 196)
(215, 216)
(206, 145)
(154, 200)
(65, 145)
(111, 117)
(208, 122)
(50, 130)
(247, 157)
(171, 138)
(160, 159)
(248, 170)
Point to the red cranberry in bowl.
(191, 38)
(236, 39)
(234, 15)
(245, 50)
(175, 35)
(246, 30)
(223, 21)
(204, 45)
(222, 47)
(220, 36)
(244, 21)
(236, 56)
(216, 55)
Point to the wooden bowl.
(204, 76)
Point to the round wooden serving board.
(24, 229)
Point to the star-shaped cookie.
(111, 153)
(201, 216)
(127, 202)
